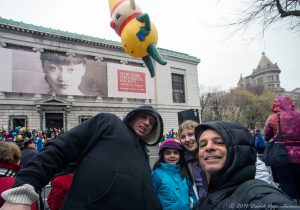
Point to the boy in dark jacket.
(227, 156)
(113, 170)
(28, 151)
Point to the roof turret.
(264, 63)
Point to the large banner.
(129, 82)
(34, 72)
(52, 72)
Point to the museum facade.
(111, 82)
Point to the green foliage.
(240, 105)
(254, 108)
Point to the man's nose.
(209, 146)
(147, 121)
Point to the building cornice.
(49, 33)
(25, 28)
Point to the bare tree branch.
(268, 12)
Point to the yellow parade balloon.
(138, 34)
(132, 45)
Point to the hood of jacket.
(241, 154)
(283, 103)
(155, 135)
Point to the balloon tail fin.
(148, 61)
(153, 52)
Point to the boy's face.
(31, 145)
(142, 124)
(64, 79)
(188, 140)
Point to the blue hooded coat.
(173, 191)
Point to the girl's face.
(64, 79)
(188, 140)
(171, 156)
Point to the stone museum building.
(267, 75)
(56, 79)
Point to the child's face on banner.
(64, 79)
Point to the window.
(17, 121)
(54, 120)
(270, 78)
(83, 118)
(178, 91)
(271, 86)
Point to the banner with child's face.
(47, 72)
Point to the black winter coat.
(113, 171)
(26, 155)
(234, 186)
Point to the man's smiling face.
(212, 152)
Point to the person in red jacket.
(60, 186)
(10, 156)
(286, 175)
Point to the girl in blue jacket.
(171, 178)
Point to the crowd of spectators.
(21, 135)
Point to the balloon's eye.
(118, 16)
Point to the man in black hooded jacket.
(113, 171)
(227, 156)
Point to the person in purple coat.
(186, 135)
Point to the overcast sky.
(185, 26)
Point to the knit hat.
(170, 144)
(28, 141)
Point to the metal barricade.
(44, 194)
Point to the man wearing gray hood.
(227, 156)
(113, 169)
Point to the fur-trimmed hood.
(155, 135)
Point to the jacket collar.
(9, 169)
